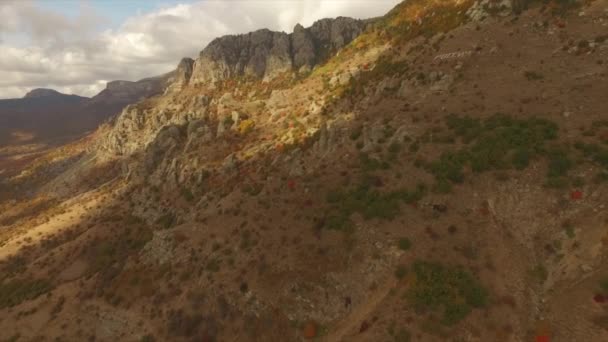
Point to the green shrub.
(253, 189)
(594, 152)
(533, 75)
(449, 167)
(368, 202)
(368, 163)
(187, 194)
(604, 285)
(540, 273)
(394, 148)
(404, 244)
(496, 143)
(228, 122)
(167, 220)
(356, 133)
(569, 229)
(601, 177)
(147, 338)
(521, 158)
(559, 163)
(400, 272)
(403, 336)
(450, 289)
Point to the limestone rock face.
(256, 54)
(265, 54)
(303, 48)
(330, 35)
(182, 75)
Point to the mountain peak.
(41, 92)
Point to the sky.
(76, 46)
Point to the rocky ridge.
(265, 54)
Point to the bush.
(405, 244)
(253, 189)
(557, 182)
(187, 194)
(449, 167)
(594, 152)
(148, 338)
(367, 202)
(167, 220)
(533, 75)
(559, 163)
(356, 133)
(540, 273)
(496, 143)
(394, 148)
(369, 164)
(452, 290)
(228, 122)
(400, 272)
(403, 336)
(604, 285)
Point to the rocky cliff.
(265, 54)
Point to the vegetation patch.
(368, 202)
(451, 290)
(405, 244)
(597, 154)
(497, 143)
(16, 291)
(167, 220)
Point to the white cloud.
(39, 48)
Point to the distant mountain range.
(46, 115)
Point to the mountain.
(45, 115)
(40, 114)
(121, 93)
(43, 93)
(436, 174)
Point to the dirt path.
(349, 326)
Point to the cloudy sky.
(76, 46)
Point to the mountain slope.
(47, 116)
(440, 177)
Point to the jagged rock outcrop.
(255, 54)
(181, 76)
(303, 48)
(265, 54)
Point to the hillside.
(436, 174)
